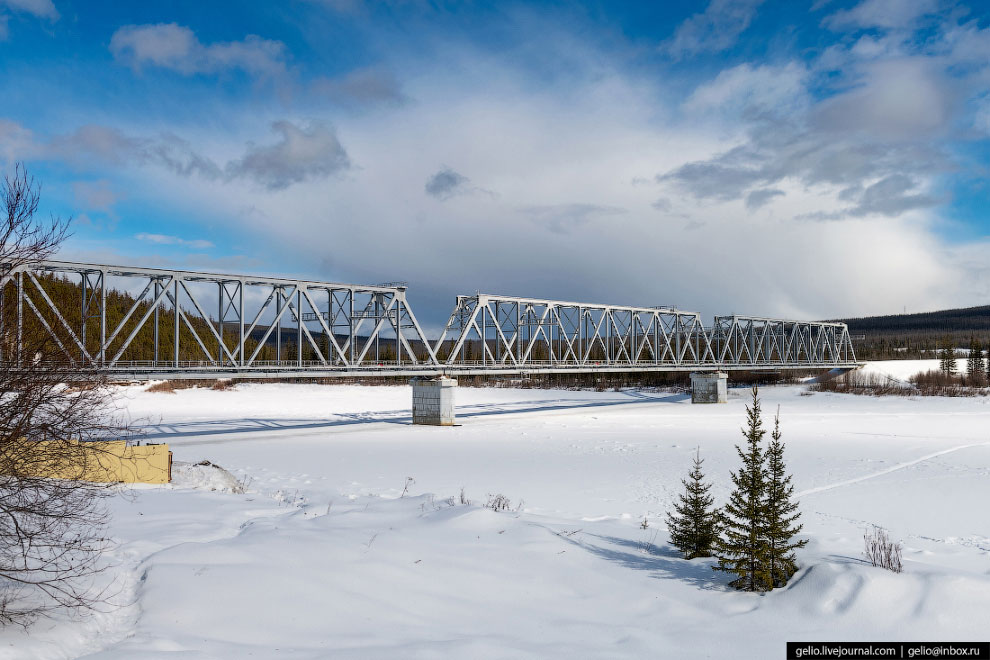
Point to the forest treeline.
(918, 336)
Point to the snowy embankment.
(323, 556)
(903, 369)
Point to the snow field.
(323, 558)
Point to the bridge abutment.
(433, 401)
(709, 387)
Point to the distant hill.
(969, 320)
(915, 335)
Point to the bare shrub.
(857, 382)
(940, 383)
(463, 499)
(223, 384)
(498, 503)
(928, 383)
(52, 522)
(171, 386)
(881, 551)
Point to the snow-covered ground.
(904, 369)
(324, 556)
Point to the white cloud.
(38, 8)
(713, 30)
(751, 88)
(888, 14)
(898, 99)
(162, 239)
(307, 152)
(95, 195)
(176, 47)
(310, 151)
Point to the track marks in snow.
(893, 468)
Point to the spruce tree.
(947, 357)
(694, 524)
(781, 513)
(976, 363)
(742, 547)
(973, 367)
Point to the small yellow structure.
(109, 461)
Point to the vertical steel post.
(84, 312)
(278, 326)
(350, 319)
(222, 290)
(175, 323)
(378, 314)
(299, 323)
(240, 315)
(103, 317)
(398, 323)
(158, 305)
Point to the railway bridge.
(189, 324)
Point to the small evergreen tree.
(742, 547)
(977, 364)
(947, 357)
(974, 363)
(781, 513)
(694, 524)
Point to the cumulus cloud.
(869, 144)
(714, 30)
(760, 198)
(162, 239)
(176, 47)
(901, 99)
(370, 86)
(446, 183)
(112, 146)
(892, 196)
(303, 153)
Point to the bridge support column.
(709, 387)
(433, 401)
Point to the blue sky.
(812, 159)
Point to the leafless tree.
(52, 530)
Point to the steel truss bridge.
(359, 330)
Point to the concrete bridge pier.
(709, 387)
(433, 400)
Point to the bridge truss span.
(166, 328)
(190, 324)
(522, 332)
(507, 332)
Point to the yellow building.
(110, 461)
